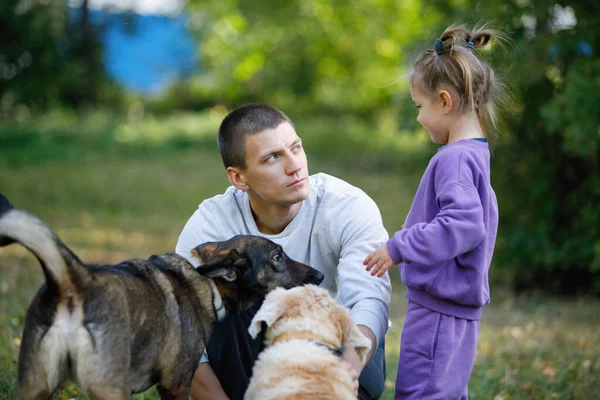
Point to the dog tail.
(61, 266)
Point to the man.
(318, 220)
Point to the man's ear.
(236, 178)
(445, 99)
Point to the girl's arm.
(457, 228)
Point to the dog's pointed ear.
(212, 272)
(210, 253)
(218, 260)
(227, 252)
(351, 335)
(271, 310)
(222, 266)
(213, 254)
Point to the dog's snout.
(318, 278)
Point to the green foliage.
(64, 135)
(304, 55)
(547, 167)
(48, 59)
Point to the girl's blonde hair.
(453, 63)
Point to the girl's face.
(431, 115)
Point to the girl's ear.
(445, 99)
(236, 178)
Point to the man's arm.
(205, 385)
(357, 224)
(355, 365)
(357, 228)
(200, 228)
(369, 333)
(352, 356)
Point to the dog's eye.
(277, 257)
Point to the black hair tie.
(439, 47)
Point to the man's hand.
(379, 261)
(351, 361)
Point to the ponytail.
(454, 63)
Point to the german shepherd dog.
(120, 329)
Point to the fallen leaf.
(549, 371)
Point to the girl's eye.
(297, 148)
(271, 158)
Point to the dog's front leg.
(180, 393)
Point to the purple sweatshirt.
(445, 249)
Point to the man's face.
(276, 167)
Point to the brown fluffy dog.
(304, 328)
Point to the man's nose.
(293, 165)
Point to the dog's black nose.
(318, 278)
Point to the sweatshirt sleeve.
(357, 223)
(457, 229)
(198, 229)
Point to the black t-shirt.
(232, 352)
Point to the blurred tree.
(48, 58)
(548, 162)
(328, 55)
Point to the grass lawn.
(111, 208)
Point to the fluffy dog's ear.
(271, 310)
(351, 335)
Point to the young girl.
(445, 247)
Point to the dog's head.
(308, 312)
(245, 268)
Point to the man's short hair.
(245, 120)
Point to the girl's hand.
(379, 261)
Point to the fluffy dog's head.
(308, 312)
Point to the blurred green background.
(108, 119)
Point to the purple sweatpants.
(436, 355)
